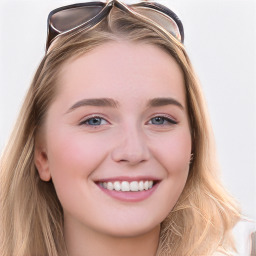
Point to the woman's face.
(116, 141)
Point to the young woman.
(113, 152)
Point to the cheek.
(72, 158)
(174, 152)
(73, 149)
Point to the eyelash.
(166, 119)
(85, 122)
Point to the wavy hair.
(31, 217)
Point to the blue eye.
(94, 121)
(161, 120)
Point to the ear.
(42, 163)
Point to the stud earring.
(191, 158)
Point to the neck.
(88, 242)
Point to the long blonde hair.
(31, 215)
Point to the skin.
(128, 141)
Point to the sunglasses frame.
(53, 33)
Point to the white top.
(245, 238)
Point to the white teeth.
(134, 186)
(117, 186)
(141, 185)
(127, 186)
(146, 185)
(110, 186)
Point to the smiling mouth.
(125, 186)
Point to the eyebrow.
(97, 102)
(107, 102)
(158, 102)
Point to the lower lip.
(130, 196)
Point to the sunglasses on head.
(83, 16)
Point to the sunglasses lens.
(65, 20)
(161, 19)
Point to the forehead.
(118, 69)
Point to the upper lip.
(128, 178)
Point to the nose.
(131, 148)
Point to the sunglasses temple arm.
(51, 35)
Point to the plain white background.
(220, 37)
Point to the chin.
(128, 228)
